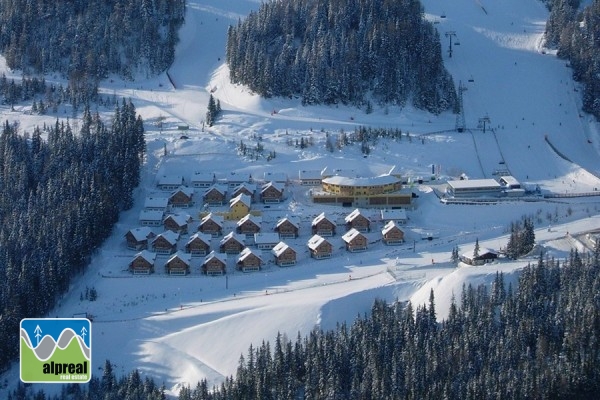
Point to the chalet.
(165, 243)
(397, 215)
(356, 220)
(322, 226)
(142, 263)
(266, 241)
(244, 188)
(239, 206)
(214, 264)
(249, 225)
(154, 203)
(391, 234)
(309, 177)
(287, 228)
(271, 192)
(178, 264)
(485, 256)
(151, 218)
(169, 182)
(137, 238)
(236, 179)
(177, 222)
(211, 224)
(215, 195)
(232, 243)
(285, 256)
(198, 244)
(355, 241)
(202, 179)
(277, 177)
(249, 261)
(183, 197)
(319, 247)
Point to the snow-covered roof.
(320, 218)
(280, 248)
(279, 187)
(315, 241)
(241, 198)
(188, 191)
(179, 218)
(266, 238)
(388, 227)
(350, 217)
(203, 176)
(156, 202)
(247, 252)
(311, 174)
(280, 177)
(482, 250)
(146, 255)
(327, 172)
(245, 185)
(183, 256)
(510, 180)
(205, 237)
(393, 215)
(169, 236)
(350, 235)
(293, 220)
(250, 217)
(170, 180)
(217, 219)
(372, 181)
(218, 187)
(235, 177)
(151, 215)
(141, 233)
(474, 183)
(219, 256)
(233, 235)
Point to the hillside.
(181, 329)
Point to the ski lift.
(457, 43)
(443, 15)
(471, 79)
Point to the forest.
(574, 33)
(59, 200)
(534, 341)
(342, 51)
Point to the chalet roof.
(142, 233)
(241, 198)
(234, 177)
(146, 255)
(320, 218)
(276, 185)
(185, 257)
(215, 255)
(352, 216)
(156, 202)
(252, 218)
(246, 253)
(204, 237)
(217, 219)
(180, 219)
(233, 236)
(388, 227)
(170, 180)
(266, 238)
(393, 215)
(351, 235)
(483, 251)
(312, 174)
(203, 176)
(292, 220)
(315, 241)
(151, 215)
(280, 248)
(188, 191)
(280, 177)
(169, 236)
(245, 185)
(375, 180)
(510, 180)
(218, 187)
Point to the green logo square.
(56, 350)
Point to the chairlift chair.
(471, 79)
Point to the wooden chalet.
(271, 192)
(211, 224)
(165, 243)
(198, 244)
(355, 241)
(287, 228)
(169, 182)
(202, 179)
(177, 222)
(232, 243)
(216, 195)
(183, 197)
(485, 256)
(137, 238)
(319, 247)
(397, 215)
(142, 263)
(214, 264)
(323, 226)
(356, 220)
(249, 261)
(277, 177)
(392, 234)
(235, 179)
(266, 240)
(244, 188)
(178, 264)
(239, 206)
(249, 225)
(310, 177)
(285, 256)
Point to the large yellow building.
(345, 186)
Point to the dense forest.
(90, 39)
(342, 51)
(59, 200)
(575, 33)
(536, 341)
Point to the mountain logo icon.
(55, 350)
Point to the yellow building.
(239, 207)
(345, 186)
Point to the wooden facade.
(322, 226)
(249, 225)
(137, 239)
(182, 197)
(165, 243)
(215, 196)
(177, 223)
(287, 228)
(319, 247)
(178, 264)
(214, 264)
(142, 263)
(198, 244)
(285, 256)
(211, 225)
(249, 261)
(271, 193)
(355, 241)
(357, 221)
(232, 243)
(392, 234)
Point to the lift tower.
(450, 34)
(460, 117)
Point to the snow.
(182, 329)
